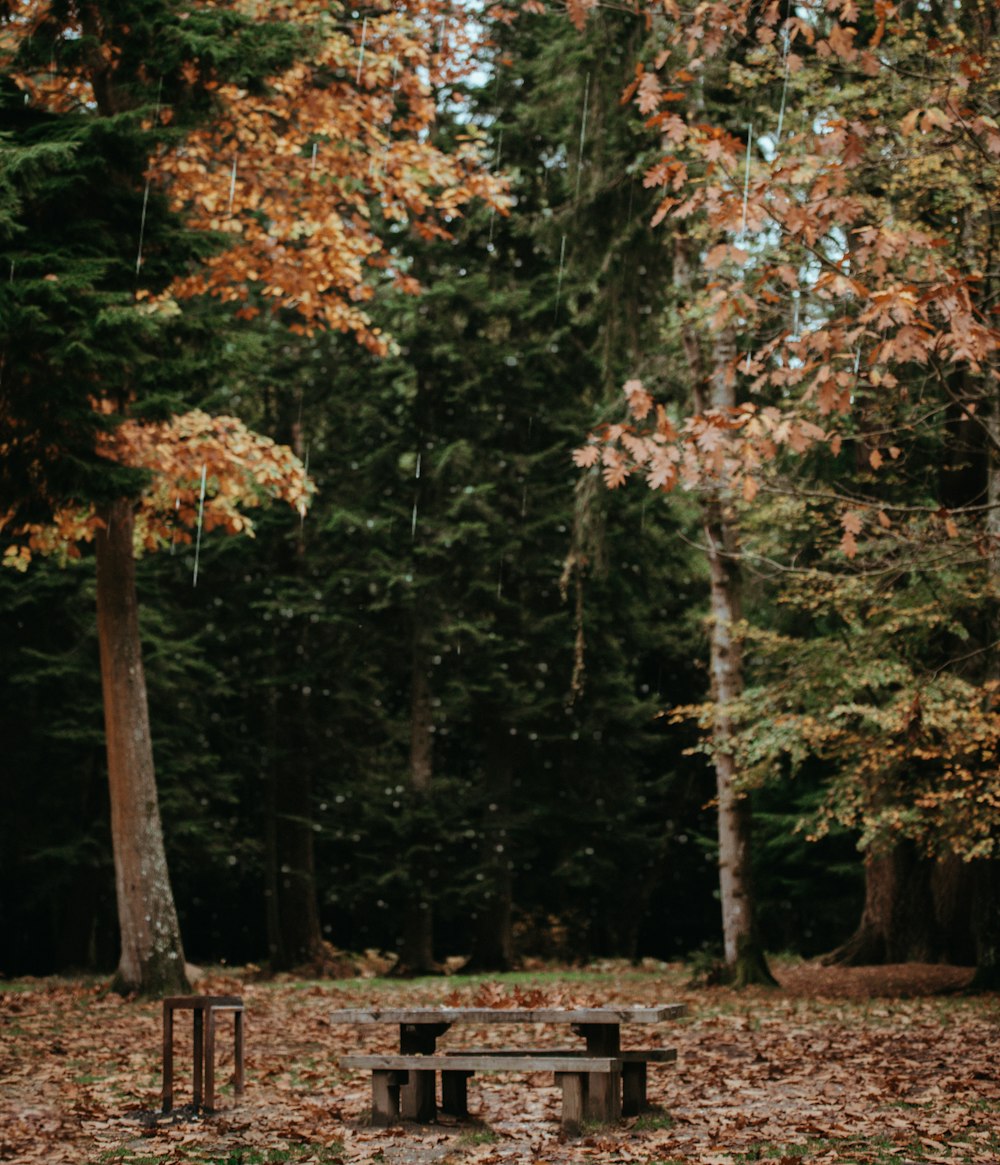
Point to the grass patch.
(482, 1136)
(651, 1121)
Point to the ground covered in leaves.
(866, 1065)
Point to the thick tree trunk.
(897, 922)
(416, 951)
(986, 924)
(152, 958)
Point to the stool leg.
(238, 1052)
(199, 1055)
(168, 1057)
(210, 1060)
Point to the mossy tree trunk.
(152, 957)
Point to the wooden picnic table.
(600, 1081)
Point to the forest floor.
(886, 1064)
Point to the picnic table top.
(610, 1014)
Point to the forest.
(487, 482)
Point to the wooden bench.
(593, 1087)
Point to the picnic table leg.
(454, 1093)
(574, 1101)
(416, 1096)
(633, 1088)
(604, 1089)
(385, 1098)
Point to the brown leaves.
(835, 1063)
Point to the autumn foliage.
(309, 179)
(845, 242)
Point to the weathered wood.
(631, 1055)
(574, 1101)
(489, 1015)
(479, 1062)
(416, 1096)
(204, 1010)
(385, 1098)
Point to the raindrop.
(312, 166)
(232, 190)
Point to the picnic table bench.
(599, 1082)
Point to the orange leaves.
(293, 176)
(579, 10)
(242, 468)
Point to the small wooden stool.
(204, 1008)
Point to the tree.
(857, 276)
(89, 78)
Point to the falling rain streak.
(583, 134)
(232, 190)
(142, 228)
(201, 515)
(413, 516)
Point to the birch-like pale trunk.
(744, 955)
(152, 957)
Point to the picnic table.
(600, 1081)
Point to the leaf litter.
(863, 1065)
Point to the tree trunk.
(493, 936)
(294, 933)
(898, 919)
(986, 898)
(416, 952)
(745, 963)
(152, 957)
(744, 954)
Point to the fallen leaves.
(836, 1067)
